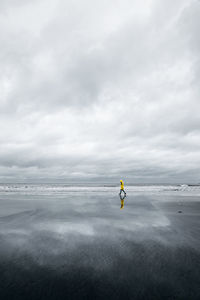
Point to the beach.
(74, 242)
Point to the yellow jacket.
(122, 184)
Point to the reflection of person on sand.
(122, 203)
(120, 193)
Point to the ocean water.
(100, 188)
(63, 241)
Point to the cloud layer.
(95, 90)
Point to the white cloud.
(99, 90)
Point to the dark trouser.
(120, 193)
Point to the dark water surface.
(82, 246)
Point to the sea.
(52, 188)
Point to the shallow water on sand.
(68, 242)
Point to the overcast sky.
(99, 90)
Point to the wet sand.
(82, 246)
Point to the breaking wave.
(90, 188)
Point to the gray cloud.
(96, 90)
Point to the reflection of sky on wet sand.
(62, 224)
(86, 240)
(85, 215)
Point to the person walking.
(120, 193)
